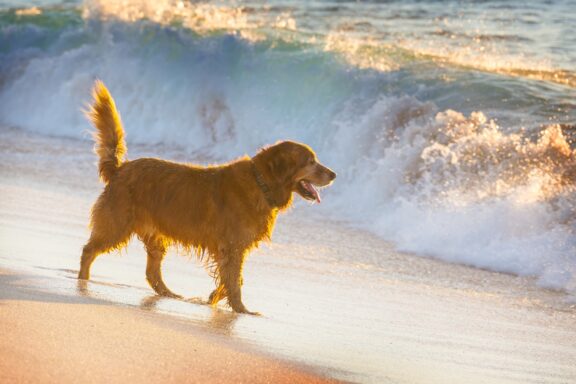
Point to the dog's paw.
(195, 300)
(247, 312)
(171, 295)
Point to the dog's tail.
(109, 135)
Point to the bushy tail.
(109, 135)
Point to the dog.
(221, 212)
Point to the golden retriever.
(221, 212)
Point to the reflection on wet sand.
(219, 320)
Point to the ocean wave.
(420, 161)
(460, 189)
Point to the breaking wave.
(429, 156)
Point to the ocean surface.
(450, 124)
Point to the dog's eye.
(311, 162)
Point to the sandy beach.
(52, 338)
(389, 317)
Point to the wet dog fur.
(221, 212)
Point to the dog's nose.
(332, 174)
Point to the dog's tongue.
(310, 188)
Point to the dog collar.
(263, 186)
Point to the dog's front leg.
(230, 276)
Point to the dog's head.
(296, 168)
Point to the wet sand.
(335, 299)
(53, 338)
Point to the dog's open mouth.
(307, 191)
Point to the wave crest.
(436, 181)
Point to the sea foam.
(444, 182)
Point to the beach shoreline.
(54, 338)
(338, 303)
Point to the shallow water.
(331, 297)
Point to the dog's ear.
(279, 166)
(280, 163)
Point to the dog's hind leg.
(95, 247)
(110, 230)
(92, 249)
(156, 249)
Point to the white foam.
(459, 189)
(437, 183)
